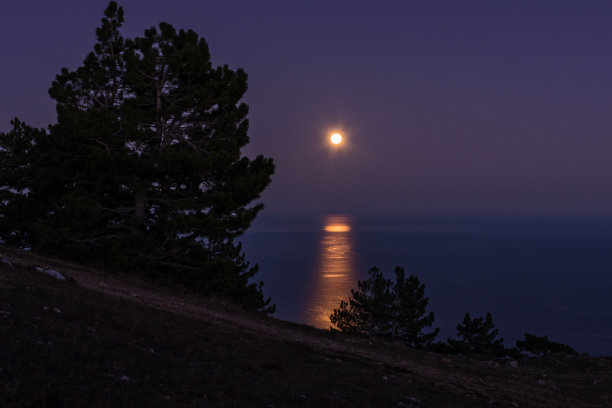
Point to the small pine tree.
(381, 308)
(367, 310)
(542, 345)
(477, 336)
(409, 316)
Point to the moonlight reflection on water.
(335, 273)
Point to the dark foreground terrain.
(94, 340)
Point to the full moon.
(336, 138)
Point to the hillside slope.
(99, 340)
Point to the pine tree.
(382, 308)
(477, 336)
(409, 316)
(82, 164)
(368, 310)
(143, 170)
(542, 345)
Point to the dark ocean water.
(543, 275)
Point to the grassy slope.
(109, 350)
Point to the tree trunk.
(395, 314)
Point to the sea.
(545, 275)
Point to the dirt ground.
(96, 339)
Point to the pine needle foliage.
(477, 335)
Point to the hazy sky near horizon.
(446, 106)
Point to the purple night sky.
(447, 107)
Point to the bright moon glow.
(336, 138)
(337, 228)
